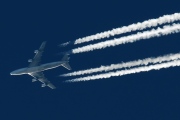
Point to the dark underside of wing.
(35, 62)
(40, 76)
(37, 58)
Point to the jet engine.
(36, 51)
(30, 60)
(34, 80)
(43, 85)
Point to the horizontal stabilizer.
(67, 66)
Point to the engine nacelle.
(34, 80)
(30, 60)
(43, 85)
(36, 51)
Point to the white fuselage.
(39, 68)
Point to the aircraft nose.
(12, 73)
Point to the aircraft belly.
(33, 69)
(44, 67)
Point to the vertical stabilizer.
(66, 60)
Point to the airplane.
(35, 69)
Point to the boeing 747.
(35, 69)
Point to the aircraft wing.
(37, 58)
(40, 76)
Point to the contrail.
(65, 44)
(133, 27)
(167, 29)
(138, 26)
(130, 64)
(130, 71)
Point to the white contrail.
(130, 64)
(133, 27)
(168, 29)
(130, 71)
(64, 44)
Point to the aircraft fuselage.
(39, 68)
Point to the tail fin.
(66, 60)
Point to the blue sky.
(147, 95)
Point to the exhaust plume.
(138, 26)
(133, 27)
(166, 30)
(130, 64)
(129, 71)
